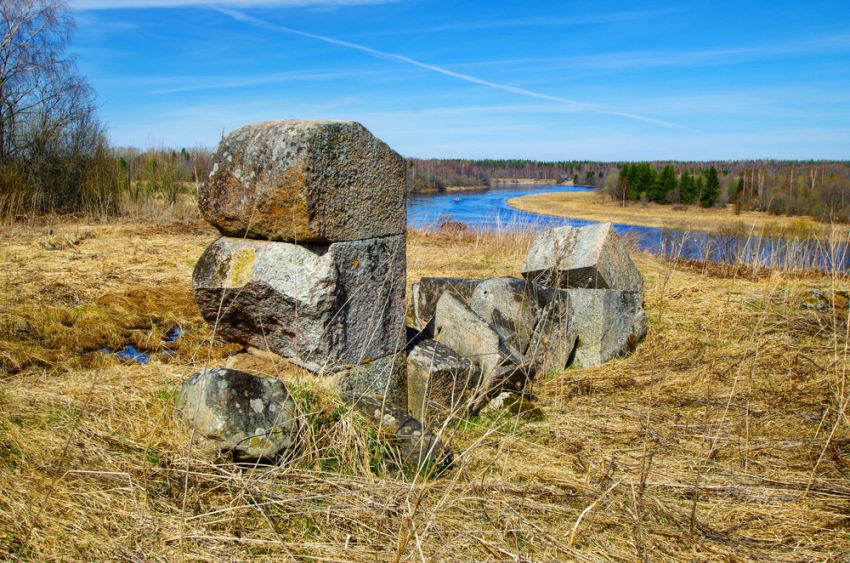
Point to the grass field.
(597, 206)
(724, 436)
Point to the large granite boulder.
(416, 446)
(610, 323)
(459, 328)
(581, 257)
(254, 418)
(328, 308)
(439, 382)
(305, 182)
(426, 292)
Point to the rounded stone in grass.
(252, 417)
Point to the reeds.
(745, 248)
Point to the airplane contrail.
(582, 106)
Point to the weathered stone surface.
(305, 182)
(439, 382)
(533, 321)
(458, 327)
(384, 379)
(514, 404)
(427, 291)
(510, 308)
(416, 446)
(326, 307)
(581, 257)
(610, 324)
(252, 417)
(555, 332)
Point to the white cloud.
(599, 18)
(578, 105)
(196, 84)
(631, 60)
(118, 4)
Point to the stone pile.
(311, 264)
(580, 303)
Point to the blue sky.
(543, 80)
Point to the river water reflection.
(488, 209)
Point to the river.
(488, 209)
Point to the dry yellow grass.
(597, 206)
(723, 437)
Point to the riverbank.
(494, 182)
(432, 191)
(529, 181)
(596, 206)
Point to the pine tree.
(709, 195)
(666, 184)
(687, 189)
(632, 180)
(643, 181)
(739, 189)
(699, 187)
(654, 191)
(623, 182)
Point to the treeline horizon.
(820, 188)
(128, 176)
(441, 173)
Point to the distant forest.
(817, 188)
(439, 174)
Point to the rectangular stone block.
(305, 182)
(555, 334)
(581, 257)
(439, 382)
(610, 323)
(509, 306)
(458, 327)
(427, 291)
(384, 379)
(327, 307)
(534, 322)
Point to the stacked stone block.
(311, 262)
(593, 267)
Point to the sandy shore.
(596, 206)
